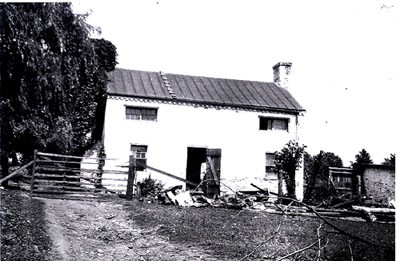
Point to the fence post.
(131, 177)
(280, 184)
(101, 155)
(33, 170)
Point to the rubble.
(260, 199)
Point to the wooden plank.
(61, 188)
(71, 157)
(16, 172)
(114, 179)
(212, 167)
(78, 170)
(64, 192)
(63, 162)
(66, 169)
(169, 175)
(42, 175)
(115, 172)
(374, 209)
(50, 182)
(53, 175)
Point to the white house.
(177, 122)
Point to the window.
(270, 165)
(140, 152)
(274, 124)
(141, 113)
(343, 181)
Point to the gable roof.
(201, 90)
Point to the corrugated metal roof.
(204, 90)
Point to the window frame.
(268, 125)
(269, 169)
(140, 116)
(140, 154)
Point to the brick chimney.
(281, 74)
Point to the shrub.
(150, 186)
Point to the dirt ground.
(84, 230)
(116, 229)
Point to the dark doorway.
(195, 156)
(211, 170)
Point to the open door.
(210, 177)
(213, 173)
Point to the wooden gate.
(66, 176)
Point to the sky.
(345, 57)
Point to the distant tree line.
(316, 170)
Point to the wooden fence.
(67, 176)
(55, 174)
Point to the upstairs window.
(140, 152)
(274, 124)
(141, 113)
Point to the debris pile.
(263, 200)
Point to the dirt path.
(82, 230)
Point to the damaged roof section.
(202, 90)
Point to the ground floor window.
(270, 166)
(140, 152)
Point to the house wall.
(235, 132)
(380, 184)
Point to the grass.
(23, 229)
(232, 235)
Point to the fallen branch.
(232, 218)
(271, 237)
(319, 242)
(298, 251)
(337, 228)
(351, 250)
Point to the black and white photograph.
(198, 130)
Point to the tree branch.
(337, 228)
(271, 237)
(298, 251)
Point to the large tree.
(391, 161)
(317, 174)
(53, 79)
(361, 158)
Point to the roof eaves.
(218, 104)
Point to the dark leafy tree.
(53, 79)
(391, 161)
(287, 161)
(317, 175)
(362, 157)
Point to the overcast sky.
(345, 57)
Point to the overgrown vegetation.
(316, 174)
(53, 80)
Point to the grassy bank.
(23, 231)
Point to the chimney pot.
(281, 74)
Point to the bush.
(150, 186)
